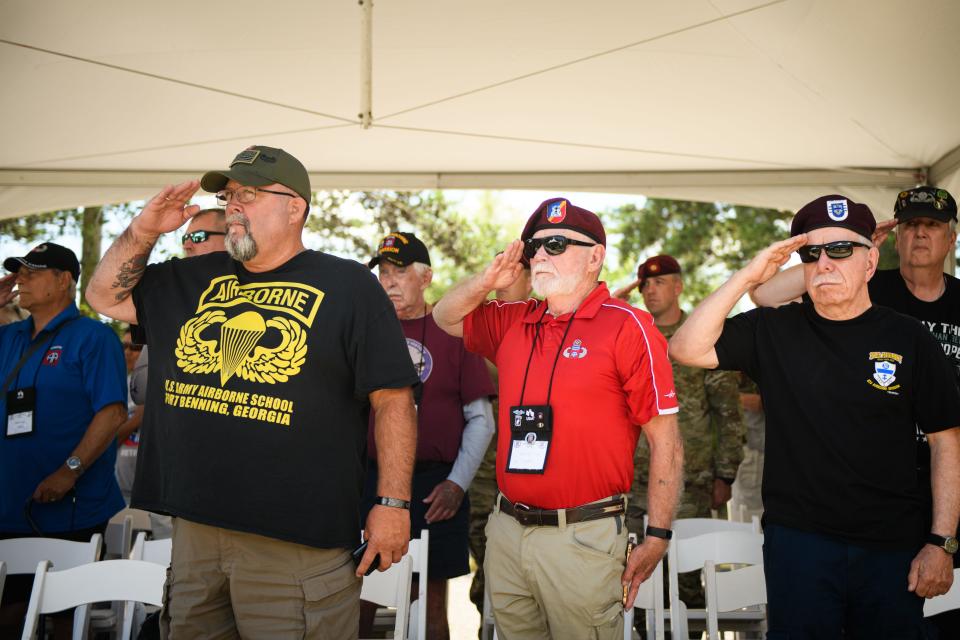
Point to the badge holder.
(531, 429)
(21, 404)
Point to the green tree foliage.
(710, 240)
(354, 223)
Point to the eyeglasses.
(246, 195)
(129, 346)
(196, 237)
(834, 250)
(553, 245)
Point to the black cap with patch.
(47, 256)
(259, 166)
(400, 249)
(925, 202)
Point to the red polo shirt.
(612, 377)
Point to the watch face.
(950, 545)
(73, 463)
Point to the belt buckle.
(522, 512)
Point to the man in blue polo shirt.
(61, 408)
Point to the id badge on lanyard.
(21, 404)
(531, 425)
(531, 429)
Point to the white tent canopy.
(761, 102)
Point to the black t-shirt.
(842, 399)
(941, 317)
(257, 399)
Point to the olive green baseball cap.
(259, 166)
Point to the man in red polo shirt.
(580, 374)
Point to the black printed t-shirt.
(257, 393)
(842, 399)
(941, 317)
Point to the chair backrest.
(650, 600)
(692, 527)
(689, 554)
(419, 552)
(118, 537)
(140, 518)
(155, 551)
(731, 590)
(391, 588)
(104, 581)
(947, 602)
(3, 577)
(22, 555)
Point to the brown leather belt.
(534, 517)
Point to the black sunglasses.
(553, 245)
(834, 250)
(196, 237)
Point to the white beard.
(243, 248)
(556, 285)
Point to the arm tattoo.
(130, 272)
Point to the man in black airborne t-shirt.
(264, 364)
(850, 546)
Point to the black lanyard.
(53, 337)
(556, 359)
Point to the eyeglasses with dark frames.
(553, 245)
(835, 250)
(246, 195)
(196, 237)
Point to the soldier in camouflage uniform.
(710, 419)
(483, 490)
(746, 490)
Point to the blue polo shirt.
(79, 370)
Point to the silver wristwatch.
(73, 463)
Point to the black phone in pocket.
(358, 556)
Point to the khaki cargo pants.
(229, 584)
(556, 582)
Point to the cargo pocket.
(331, 603)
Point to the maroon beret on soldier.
(560, 213)
(834, 211)
(657, 266)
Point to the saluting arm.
(467, 295)
(123, 264)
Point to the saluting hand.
(623, 293)
(7, 283)
(504, 269)
(168, 210)
(766, 263)
(882, 231)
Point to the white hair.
(421, 268)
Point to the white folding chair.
(118, 537)
(650, 600)
(21, 556)
(731, 591)
(419, 553)
(488, 628)
(155, 551)
(107, 581)
(691, 554)
(692, 527)
(391, 588)
(947, 602)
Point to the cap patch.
(247, 156)
(556, 212)
(40, 248)
(838, 210)
(653, 268)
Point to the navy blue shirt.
(79, 370)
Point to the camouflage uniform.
(483, 492)
(713, 432)
(746, 490)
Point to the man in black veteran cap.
(271, 355)
(851, 544)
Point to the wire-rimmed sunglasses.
(553, 245)
(837, 250)
(246, 195)
(196, 237)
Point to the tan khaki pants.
(228, 584)
(556, 582)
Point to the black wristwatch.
(657, 532)
(393, 502)
(948, 543)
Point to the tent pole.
(366, 63)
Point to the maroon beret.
(834, 211)
(560, 213)
(658, 266)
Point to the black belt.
(533, 517)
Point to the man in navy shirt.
(61, 409)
